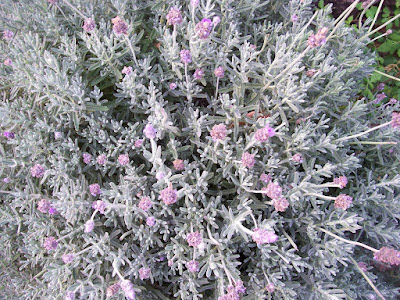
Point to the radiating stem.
(75, 9)
(376, 16)
(367, 279)
(320, 196)
(362, 133)
(347, 241)
(133, 51)
(380, 27)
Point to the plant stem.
(387, 75)
(320, 196)
(75, 9)
(376, 16)
(362, 133)
(380, 27)
(347, 241)
(367, 279)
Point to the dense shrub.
(187, 150)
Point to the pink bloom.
(144, 273)
(198, 74)
(50, 243)
(274, 191)
(297, 158)
(168, 195)
(193, 266)
(170, 262)
(239, 287)
(101, 159)
(150, 221)
(341, 181)
(52, 211)
(123, 159)
(160, 175)
(186, 57)
(8, 34)
(343, 201)
(395, 119)
(219, 72)
(318, 39)
(216, 20)
(100, 206)
(37, 171)
(311, 72)
(7, 61)
(388, 256)
(172, 86)
(149, 131)
(248, 160)
(194, 239)
(145, 203)
(68, 258)
(127, 287)
(127, 70)
(87, 158)
(174, 16)
(89, 226)
(89, 25)
(52, 1)
(280, 204)
(265, 178)
(119, 26)
(218, 132)
(113, 289)
(138, 143)
(263, 134)
(203, 28)
(95, 189)
(294, 18)
(178, 164)
(270, 288)
(363, 266)
(262, 236)
(195, 3)
(43, 206)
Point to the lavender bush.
(193, 150)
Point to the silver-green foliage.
(63, 79)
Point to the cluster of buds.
(194, 239)
(44, 206)
(119, 26)
(262, 236)
(318, 39)
(168, 195)
(218, 132)
(234, 292)
(343, 201)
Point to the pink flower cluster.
(318, 39)
(263, 134)
(203, 28)
(44, 206)
(343, 201)
(145, 203)
(388, 256)
(113, 289)
(50, 243)
(168, 195)
(297, 158)
(144, 273)
(127, 287)
(178, 164)
(194, 239)
(280, 204)
(37, 171)
(186, 57)
(248, 160)
(101, 159)
(68, 258)
(233, 292)
(262, 236)
(192, 266)
(198, 74)
(95, 189)
(123, 159)
(274, 191)
(100, 206)
(174, 16)
(395, 119)
(119, 26)
(341, 181)
(87, 158)
(8, 34)
(218, 132)
(219, 72)
(89, 25)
